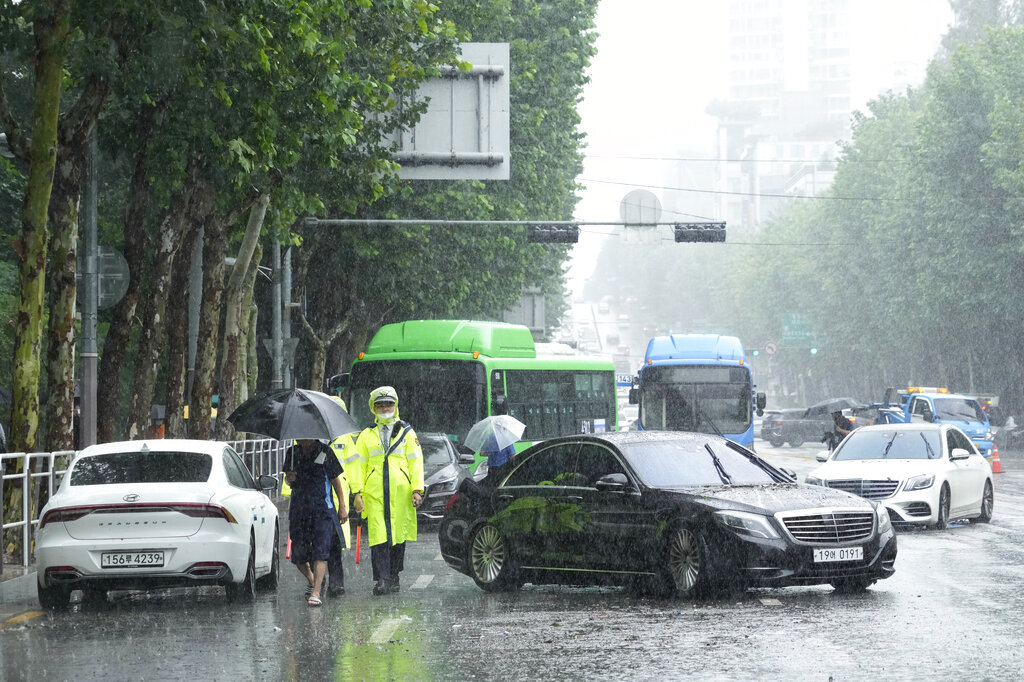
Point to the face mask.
(386, 416)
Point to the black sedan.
(676, 513)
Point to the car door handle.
(573, 498)
(504, 498)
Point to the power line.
(742, 194)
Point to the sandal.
(314, 601)
(309, 592)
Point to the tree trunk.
(61, 290)
(109, 391)
(252, 368)
(236, 315)
(50, 29)
(215, 239)
(151, 344)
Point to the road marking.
(771, 602)
(21, 618)
(422, 581)
(439, 557)
(385, 630)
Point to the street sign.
(770, 348)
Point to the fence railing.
(41, 473)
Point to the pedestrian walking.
(389, 489)
(313, 471)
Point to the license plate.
(839, 554)
(131, 559)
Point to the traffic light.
(755, 352)
(699, 232)
(814, 351)
(554, 234)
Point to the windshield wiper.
(705, 418)
(931, 453)
(722, 473)
(885, 453)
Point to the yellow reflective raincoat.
(388, 510)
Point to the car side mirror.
(822, 457)
(929, 417)
(267, 483)
(760, 400)
(612, 483)
(634, 396)
(466, 458)
(959, 453)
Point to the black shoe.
(335, 591)
(380, 588)
(394, 585)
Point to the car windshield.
(959, 409)
(436, 455)
(142, 467)
(890, 444)
(693, 462)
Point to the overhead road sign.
(464, 133)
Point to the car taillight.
(778, 423)
(204, 511)
(64, 514)
(451, 501)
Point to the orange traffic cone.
(997, 468)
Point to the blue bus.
(697, 382)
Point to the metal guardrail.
(263, 456)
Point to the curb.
(18, 589)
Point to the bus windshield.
(433, 395)
(696, 398)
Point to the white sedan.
(924, 474)
(150, 514)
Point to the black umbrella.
(293, 413)
(833, 405)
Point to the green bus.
(449, 374)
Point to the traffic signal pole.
(543, 231)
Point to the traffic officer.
(389, 489)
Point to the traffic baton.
(288, 550)
(359, 538)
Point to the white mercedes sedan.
(150, 514)
(924, 474)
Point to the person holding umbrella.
(496, 437)
(312, 470)
(389, 488)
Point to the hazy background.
(660, 63)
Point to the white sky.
(659, 63)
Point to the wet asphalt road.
(953, 611)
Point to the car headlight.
(446, 486)
(884, 522)
(920, 482)
(743, 523)
(813, 480)
(989, 436)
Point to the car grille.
(872, 490)
(831, 527)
